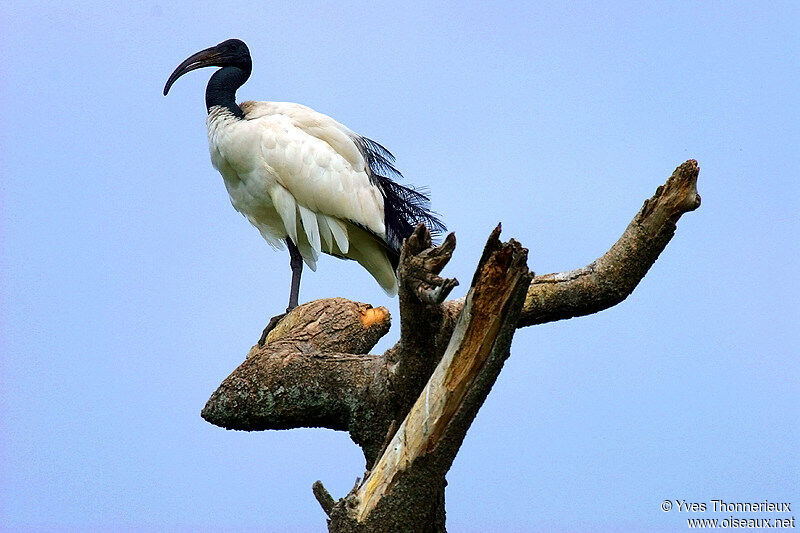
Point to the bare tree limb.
(411, 471)
(611, 278)
(297, 379)
(323, 497)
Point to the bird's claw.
(272, 323)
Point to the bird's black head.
(230, 53)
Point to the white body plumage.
(294, 172)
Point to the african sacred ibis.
(302, 178)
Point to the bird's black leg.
(296, 262)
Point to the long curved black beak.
(209, 57)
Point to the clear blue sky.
(131, 288)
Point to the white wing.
(320, 186)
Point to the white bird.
(302, 178)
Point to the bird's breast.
(235, 152)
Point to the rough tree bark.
(410, 408)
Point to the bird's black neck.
(221, 88)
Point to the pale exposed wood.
(374, 315)
(469, 347)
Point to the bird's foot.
(272, 323)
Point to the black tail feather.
(404, 206)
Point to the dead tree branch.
(411, 472)
(611, 278)
(313, 371)
(410, 408)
